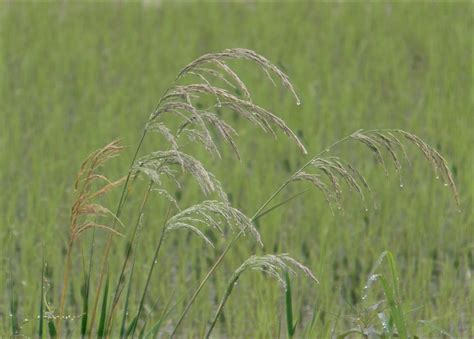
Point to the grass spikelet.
(276, 266)
(335, 170)
(315, 179)
(212, 213)
(84, 207)
(242, 53)
(387, 138)
(252, 112)
(157, 163)
(438, 162)
(373, 144)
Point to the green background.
(75, 76)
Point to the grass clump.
(191, 113)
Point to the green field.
(76, 76)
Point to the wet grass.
(75, 76)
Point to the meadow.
(76, 76)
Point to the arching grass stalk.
(237, 237)
(336, 170)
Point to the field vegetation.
(378, 103)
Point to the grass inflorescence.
(167, 168)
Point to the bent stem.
(257, 214)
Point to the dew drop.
(445, 185)
(156, 261)
(401, 185)
(366, 209)
(437, 177)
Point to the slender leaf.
(102, 330)
(41, 310)
(87, 280)
(291, 327)
(53, 333)
(127, 298)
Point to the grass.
(92, 73)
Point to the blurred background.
(76, 76)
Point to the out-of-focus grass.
(74, 76)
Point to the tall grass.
(180, 116)
(337, 254)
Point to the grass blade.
(153, 333)
(127, 298)
(53, 333)
(152, 266)
(133, 241)
(141, 335)
(132, 327)
(87, 280)
(291, 327)
(13, 300)
(393, 296)
(41, 310)
(102, 331)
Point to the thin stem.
(228, 291)
(65, 282)
(203, 282)
(153, 263)
(237, 237)
(109, 239)
(118, 290)
(119, 209)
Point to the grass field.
(76, 76)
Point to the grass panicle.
(290, 324)
(85, 210)
(275, 266)
(213, 214)
(157, 164)
(212, 80)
